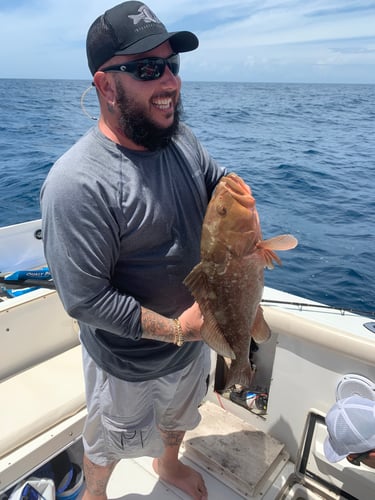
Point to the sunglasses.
(149, 68)
(357, 458)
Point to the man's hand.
(191, 321)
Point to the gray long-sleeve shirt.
(121, 230)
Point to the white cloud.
(259, 39)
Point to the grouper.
(229, 279)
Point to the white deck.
(228, 452)
(135, 479)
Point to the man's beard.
(137, 127)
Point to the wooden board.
(234, 451)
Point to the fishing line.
(301, 305)
(51, 285)
(83, 107)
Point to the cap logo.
(145, 14)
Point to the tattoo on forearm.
(157, 327)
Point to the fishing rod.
(40, 283)
(26, 283)
(301, 305)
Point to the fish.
(228, 281)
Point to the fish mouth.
(239, 190)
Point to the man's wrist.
(178, 334)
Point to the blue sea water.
(307, 151)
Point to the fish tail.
(239, 374)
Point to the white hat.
(351, 428)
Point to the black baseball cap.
(131, 28)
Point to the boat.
(272, 450)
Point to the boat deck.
(136, 479)
(230, 455)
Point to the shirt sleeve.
(81, 244)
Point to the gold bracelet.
(178, 335)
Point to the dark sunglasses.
(149, 68)
(357, 458)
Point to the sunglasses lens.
(149, 70)
(152, 69)
(174, 63)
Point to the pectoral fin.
(260, 331)
(282, 242)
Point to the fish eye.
(221, 210)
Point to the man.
(122, 213)
(351, 431)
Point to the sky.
(302, 41)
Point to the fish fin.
(239, 374)
(260, 331)
(270, 257)
(196, 281)
(282, 242)
(213, 336)
(194, 278)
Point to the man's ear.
(105, 85)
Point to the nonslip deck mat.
(234, 451)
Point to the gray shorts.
(124, 418)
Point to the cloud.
(258, 39)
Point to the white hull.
(313, 353)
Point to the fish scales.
(228, 281)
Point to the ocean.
(306, 150)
